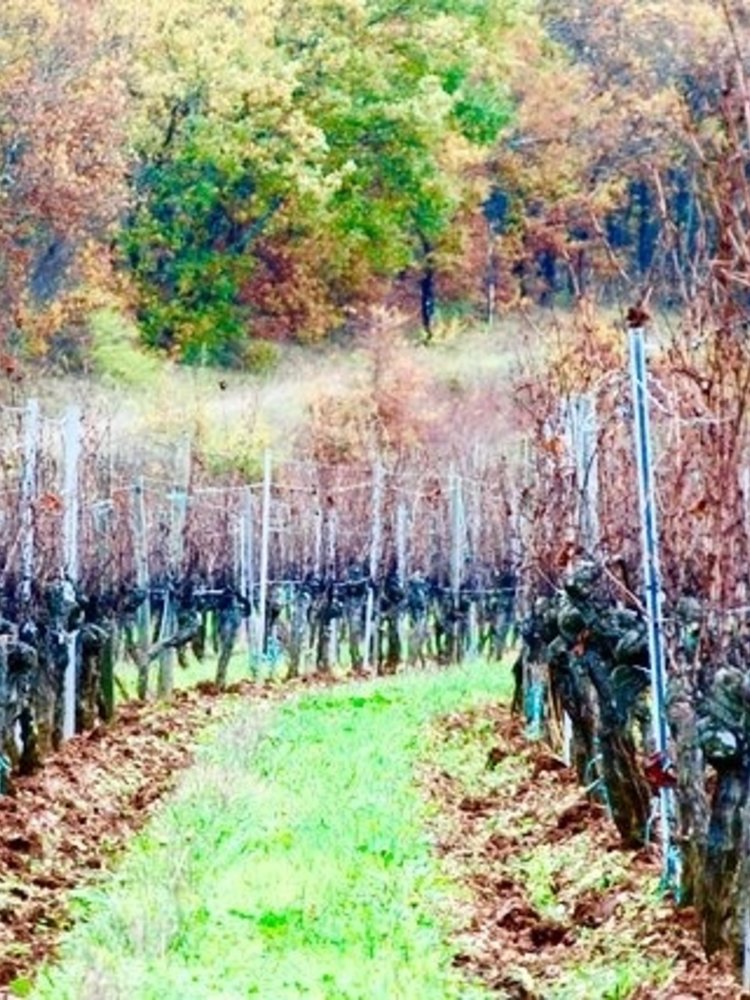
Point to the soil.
(66, 824)
(505, 941)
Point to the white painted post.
(652, 575)
(375, 542)
(265, 538)
(71, 458)
(28, 495)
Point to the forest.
(230, 174)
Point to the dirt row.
(61, 827)
(601, 912)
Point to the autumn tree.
(61, 160)
(601, 111)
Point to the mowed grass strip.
(293, 862)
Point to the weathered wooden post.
(71, 505)
(581, 430)
(402, 570)
(333, 639)
(457, 558)
(178, 504)
(246, 571)
(143, 582)
(101, 513)
(265, 539)
(28, 496)
(581, 434)
(370, 653)
(4, 714)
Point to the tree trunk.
(427, 289)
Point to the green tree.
(295, 180)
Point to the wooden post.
(178, 502)
(28, 495)
(581, 434)
(318, 556)
(4, 704)
(71, 458)
(375, 542)
(246, 569)
(265, 538)
(456, 535)
(143, 582)
(401, 568)
(457, 557)
(333, 637)
(101, 514)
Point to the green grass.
(292, 863)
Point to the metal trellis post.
(652, 576)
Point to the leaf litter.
(554, 908)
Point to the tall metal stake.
(652, 576)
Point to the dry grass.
(241, 409)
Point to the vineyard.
(489, 262)
(310, 567)
(315, 568)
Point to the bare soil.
(505, 941)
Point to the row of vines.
(152, 561)
(585, 630)
(586, 652)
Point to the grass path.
(291, 863)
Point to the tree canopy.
(271, 169)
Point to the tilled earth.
(63, 825)
(555, 908)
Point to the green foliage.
(283, 187)
(186, 246)
(292, 863)
(261, 357)
(612, 979)
(234, 448)
(116, 353)
(482, 112)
